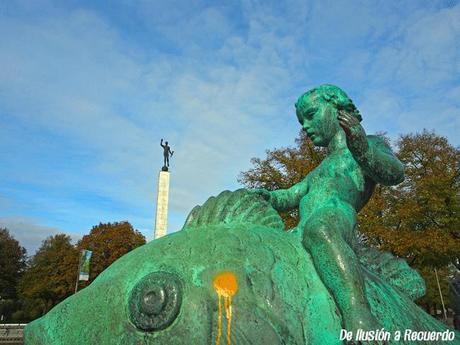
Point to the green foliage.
(12, 265)
(51, 274)
(432, 291)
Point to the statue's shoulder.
(379, 142)
(377, 139)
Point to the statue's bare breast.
(337, 180)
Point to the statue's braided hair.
(331, 94)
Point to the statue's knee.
(315, 235)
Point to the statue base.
(164, 168)
(161, 218)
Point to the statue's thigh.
(330, 223)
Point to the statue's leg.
(326, 235)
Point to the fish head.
(231, 275)
(188, 287)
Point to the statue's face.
(319, 121)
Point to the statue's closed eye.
(310, 113)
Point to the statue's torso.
(338, 179)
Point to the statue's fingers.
(348, 122)
(343, 123)
(262, 192)
(342, 118)
(353, 120)
(345, 128)
(345, 116)
(343, 113)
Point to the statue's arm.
(285, 199)
(161, 143)
(371, 152)
(380, 163)
(288, 199)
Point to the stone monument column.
(161, 218)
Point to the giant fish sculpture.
(231, 276)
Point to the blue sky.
(88, 89)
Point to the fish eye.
(155, 301)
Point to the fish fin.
(240, 206)
(393, 270)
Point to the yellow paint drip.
(226, 286)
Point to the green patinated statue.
(330, 197)
(234, 276)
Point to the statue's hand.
(356, 136)
(262, 192)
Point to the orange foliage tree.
(108, 242)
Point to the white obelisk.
(161, 219)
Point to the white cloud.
(423, 54)
(29, 233)
(409, 81)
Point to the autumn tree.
(53, 270)
(108, 242)
(50, 276)
(12, 265)
(417, 220)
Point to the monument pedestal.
(161, 218)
